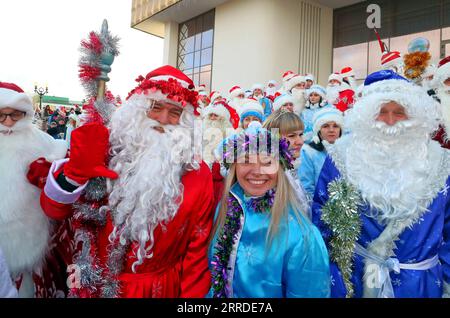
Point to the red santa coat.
(345, 100)
(179, 265)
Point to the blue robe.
(296, 264)
(311, 164)
(428, 237)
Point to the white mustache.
(395, 130)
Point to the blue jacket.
(311, 164)
(296, 264)
(267, 106)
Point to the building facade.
(222, 43)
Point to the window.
(401, 22)
(195, 48)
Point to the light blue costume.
(296, 265)
(311, 164)
(308, 115)
(266, 105)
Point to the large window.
(356, 46)
(195, 48)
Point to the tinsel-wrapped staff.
(97, 55)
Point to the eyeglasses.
(15, 116)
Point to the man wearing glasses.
(25, 231)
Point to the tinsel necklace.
(227, 238)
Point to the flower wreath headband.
(255, 140)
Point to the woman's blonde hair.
(284, 200)
(287, 122)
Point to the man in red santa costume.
(159, 200)
(339, 93)
(25, 231)
(441, 83)
(349, 77)
(237, 97)
(217, 125)
(296, 87)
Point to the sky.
(39, 42)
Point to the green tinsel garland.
(341, 215)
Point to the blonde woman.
(263, 245)
(289, 126)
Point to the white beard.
(24, 228)
(270, 91)
(237, 102)
(150, 165)
(333, 94)
(445, 108)
(299, 100)
(214, 131)
(394, 167)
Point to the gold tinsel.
(415, 64)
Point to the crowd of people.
(297, 191)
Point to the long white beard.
(333, 94)
(445, 107)
(214, 131)
(298, 95)
(393, 167)
(237, 102)
(270, 91)
(148, 191)
(24, 228)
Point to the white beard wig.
(299, 97)
(214, 131)
(333, 93)
(24, 228)
(443, 94)
(237, 102)
(270, 91)
(150, 165)
(397, 168)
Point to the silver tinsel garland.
(341, 215)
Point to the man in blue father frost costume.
(382, 201)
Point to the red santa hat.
(335, 76)
(443, 71)
(287, 76)
(235, 91)
(387, 58)
(347, 72)
(13, 96)
(201, 88)
(167, 84)
(217, 109)
(214, 95)
(297, 79)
